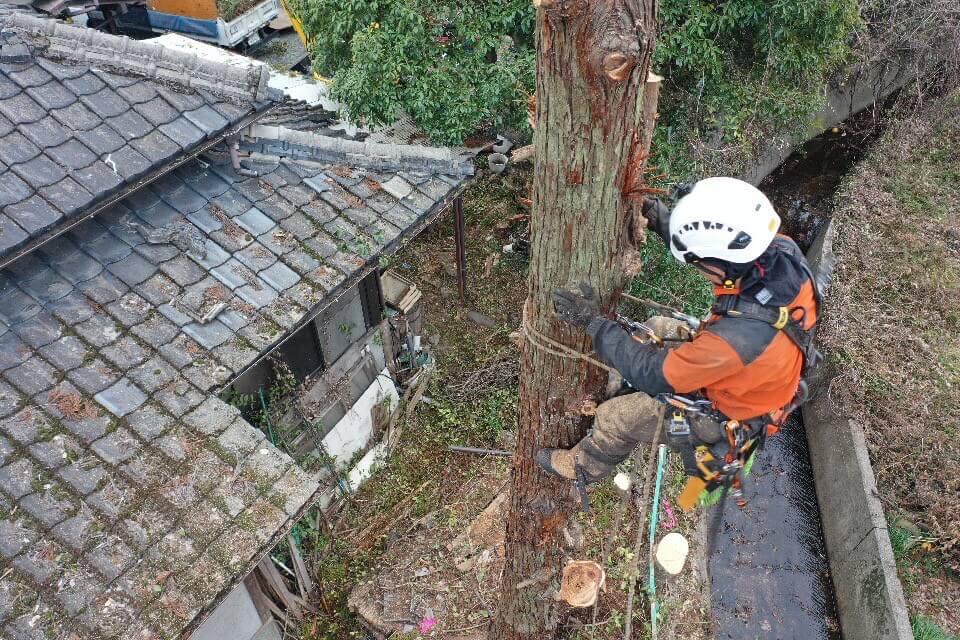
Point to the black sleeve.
(640, 364)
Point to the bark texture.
(594, 120)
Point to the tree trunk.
(594, 121)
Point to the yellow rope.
(551, 346)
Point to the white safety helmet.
(722, 218)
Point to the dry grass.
(892, 328)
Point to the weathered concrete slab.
(863, 88)
(870, 600)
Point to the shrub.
(453, 66)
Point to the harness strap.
(780, 318)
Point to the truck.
(229, 23)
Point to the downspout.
(234, 145)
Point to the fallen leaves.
(72, 405)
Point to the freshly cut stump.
(581, 583)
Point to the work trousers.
(624, 421)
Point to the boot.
(558, 462)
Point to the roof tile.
(133, 269)
(182, 132)
(98, 178)
(52, 95)
(47, 287)
(8, 87)
(77, 116)
(17, 148)
(72, 155)
(138, 91)
(46, 132)
(59, 70)
(72, 308)
(92, 378)
(12, 189)
(206, 119)
(40, 172)
(67, 195)
(32, 76)
(129, 163)
(130, 125)
(16, 479)
(68, 352)
(40, 330)
(158, 111)
(156, 147)
(84, 84)
(101, 140)
(33, 376)
(16, 307)
(122, 398)
(205, 182)
(99, 330)
(255, 221)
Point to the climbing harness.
(788, 320)
(724, 464)
(710, 466)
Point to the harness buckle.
(783, 319)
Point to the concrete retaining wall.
(863, 88)
(870, 599)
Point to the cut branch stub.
(581, 583)
(617, 66)
(566, 8)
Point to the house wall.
(235, 619)
(354, 431)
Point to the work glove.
(577, 308)
(682, 189)
(657, 215)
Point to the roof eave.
(136, 185)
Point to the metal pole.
(481, 452)
(461, 242)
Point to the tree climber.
(747, 360)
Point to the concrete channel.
(809, 557)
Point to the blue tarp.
(146, 19)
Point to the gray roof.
(131, 498)
(88, 116)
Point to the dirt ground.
(893, 326)
(412, 556)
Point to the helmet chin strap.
(729, 273)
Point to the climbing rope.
(633, 569)
(551, 346)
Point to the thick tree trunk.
(593, 129)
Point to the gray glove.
(657, 215)
(577, 308)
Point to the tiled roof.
(89, 115)
(301, 116)
(131, 498)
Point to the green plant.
(453, 66)
(669, 282)
(263, 408)
(735, 71)
(926, 629)
(730, 67)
